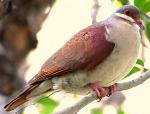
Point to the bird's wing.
(84, 51)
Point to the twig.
(94, 12)
(146, 15)
(91, 97)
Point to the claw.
(100, 91)
(112, 89)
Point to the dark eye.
(127, 12)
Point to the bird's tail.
(26, 94)
(20, 99)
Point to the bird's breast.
(126, 37)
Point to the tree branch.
(91, 97)
(94, 12)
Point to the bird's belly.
(116, 67)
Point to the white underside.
(115, 67)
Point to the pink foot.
(112, 89)
(101, 92)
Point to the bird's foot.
(100, 91)
(112, 89)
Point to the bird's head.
(132, 12)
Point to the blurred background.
(29, 37)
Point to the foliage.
(143, 5)
(124, 2)
(46, 105)
(148, 30)
(121, 111)
(135, 69)
(96, 111)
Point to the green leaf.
(145, 69)
(118, 3)
(96, 111)
(143, 5)
(148, 30)
(47, 105)
(124, 2)
(140, 62)
(121, 111)
(134, 70)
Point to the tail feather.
(21, 98)
(31, 91)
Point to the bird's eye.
(127, 12)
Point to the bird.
(94, 58)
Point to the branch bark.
(92, 96)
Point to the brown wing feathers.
(84, 51)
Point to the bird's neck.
(123, 33)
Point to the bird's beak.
(140, 24)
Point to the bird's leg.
(112, 89)
(100, 91)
